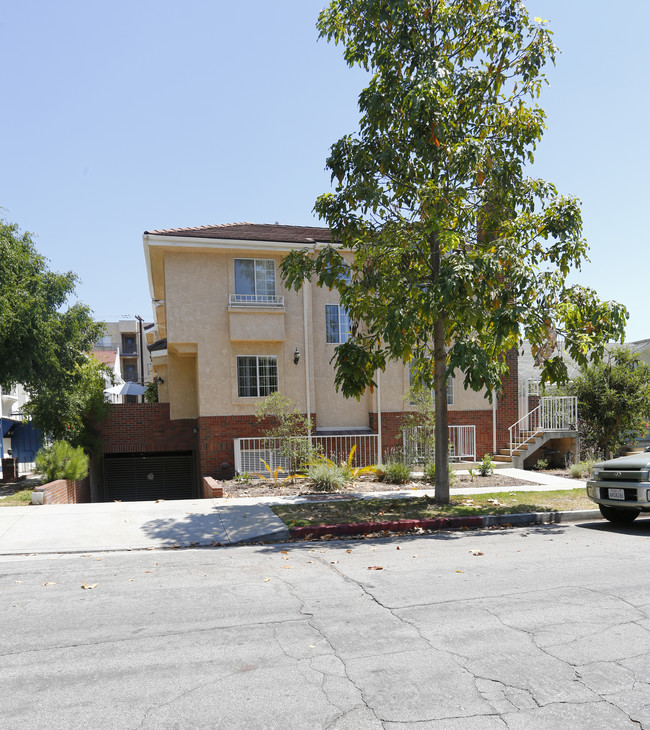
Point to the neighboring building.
(124, 336)
(20, 439)
(227, 333)
(111, 359)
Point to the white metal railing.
(418, 444)
(251, 452)
(554, 413)
(256, 300)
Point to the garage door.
(139, 477)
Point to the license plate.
(616, 493)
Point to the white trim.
(307, 359)
(233, 244)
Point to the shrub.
(485, 466)
(326, 476)
(60, 460)
(397, 472)
(577, 470)
(430, 474)
(541, 465)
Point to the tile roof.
(107, 357)
(253, 232)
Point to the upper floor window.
(257, 375)
(128, 345)
(337, 324)
(255, 282)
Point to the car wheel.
(619, 516)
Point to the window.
(255, 280)
(128, 345)
(337, 324)
(257, 375)
(450, 387)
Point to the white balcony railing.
(256, 300)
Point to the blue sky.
(126, 116)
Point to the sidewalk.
(107, 526)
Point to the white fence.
(418, 444)
(554, 413)
(251, 452)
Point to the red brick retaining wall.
(65, 491)
(147, 427)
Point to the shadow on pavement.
(345, 543)
(194, 529)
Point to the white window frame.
(256, 297)
(258, 394)
(342, 325)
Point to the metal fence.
(418, 444)
(554, 413)
(250, 453)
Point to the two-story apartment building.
(227, 333)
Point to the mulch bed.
(260, 488)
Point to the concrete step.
(501, 458)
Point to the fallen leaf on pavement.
(88, 586)
(375, 567)
(266, 580)
(476, 552)
(348, 551)
(49, 583)
(460, 571)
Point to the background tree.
(457, 254)
(41, 341)
(613, 401)
(71, 407)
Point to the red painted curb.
(361, 528)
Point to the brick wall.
(65, 491)
(508, 402)
(9, 469)
(147, 427)
(391, 423)
(216, 434)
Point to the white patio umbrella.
(126, 389)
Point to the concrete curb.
(441, 523)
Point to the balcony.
(256, 300)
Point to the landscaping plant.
(326, 476)
(485, 467)
(60, 460)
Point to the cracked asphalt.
(540, 627)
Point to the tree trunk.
(442, 428)
(440, 389)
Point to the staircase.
(555, 417)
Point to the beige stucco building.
(227, 333)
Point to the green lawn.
(17, 499)
(378, 510)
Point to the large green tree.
(43, 342)
(613, 401)
(41, 339)
(457, 254)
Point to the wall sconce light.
(296, 356)
(158, 381)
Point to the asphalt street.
(539, 627)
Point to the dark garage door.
(139, 477)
